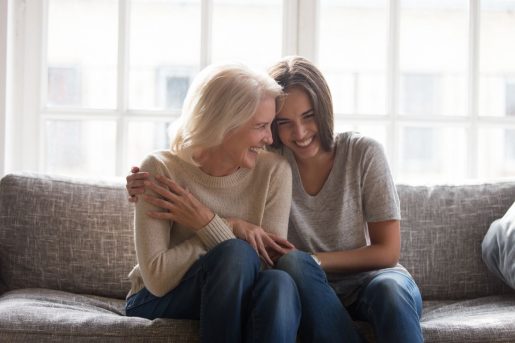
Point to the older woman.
(190, 264)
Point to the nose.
(299, 130)
(268, 139)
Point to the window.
(64, 86)
(353, 54)
(509, 143)
(443, 82)
(172, 84)
(510, 98)
(433, 81)
(419, 95)
(117, 72)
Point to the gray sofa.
(66, 247)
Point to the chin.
(247, 164)
(309, 153)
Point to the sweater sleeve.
(215, 232)
(278, 201)
(162, 267)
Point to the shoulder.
(272, 163)
(159, 160)
(357, 142)
(357, 147)
(271, 160)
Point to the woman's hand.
(135, 183)
(180, 205)
(269, 246)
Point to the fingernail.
(146, 183)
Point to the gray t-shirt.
(359, 189)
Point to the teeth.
(256, 149)
(304, 142)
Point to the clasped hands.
(184, 208)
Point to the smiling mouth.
(256, 149)
(304, 143)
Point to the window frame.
(301, 18)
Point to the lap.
(184, 301)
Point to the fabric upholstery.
(66, 247)
(42, 315)
(442, 229)
(486, 319)
(64, 234)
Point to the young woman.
(190, 265)
(344, 220)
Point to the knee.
(294, 263)
(395, 292)
(279, 287)
(234, 256)
(385, 288)
(277, 279)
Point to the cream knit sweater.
(166, 250)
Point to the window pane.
(497, 59)
(432, 154)
(249, 31)
(80, 147)
(433, 57)
(496, 152)
(353, 42)
(145, 137)
(164, 52)
(82, 53)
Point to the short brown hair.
(297, 71)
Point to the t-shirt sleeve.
(380, 199)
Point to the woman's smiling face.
(241, 146)
(296, 125)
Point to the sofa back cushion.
(65, 234)
(442, 229)
(77, 236)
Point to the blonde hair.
(220, 99)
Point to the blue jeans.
(231, 297)
(390, 301)
(324, 318)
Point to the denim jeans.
(231, 297)
(324, 318)
(390, 301)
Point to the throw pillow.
(498, 247)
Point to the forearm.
(357, 260)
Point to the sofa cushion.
(65, 234)
(442, 228)
(498, 247)
(487, 319)
(55, 316)
(39, 315)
